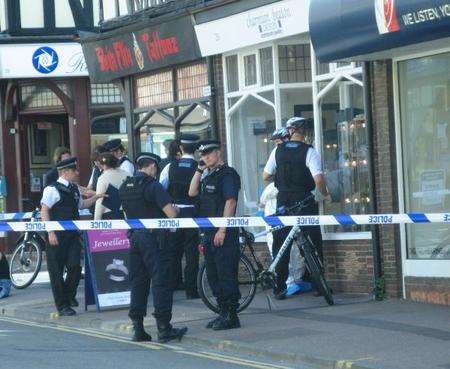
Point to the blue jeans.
(5, 288)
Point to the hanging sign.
(139, 49)
(108, 263)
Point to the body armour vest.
(292, 174)
(212, 202)
(180, 176)
(134, 204)
(67, 206)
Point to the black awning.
(139, 48)
(346, 29)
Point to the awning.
(367, 29)
(139, 48)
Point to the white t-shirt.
(51, 196)
(313, 162)
(113, 177)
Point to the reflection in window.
(425, 123)
(345, 153)
(106, 129)
(192, 80)
(295, 63)
(232, 73)
(266, 65)
(197, 122)
(155, 134)
(155, 89)
(105, 93)
(250, 70)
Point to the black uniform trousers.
(66, 255)
(185, 241)
(150, 264)
(282, 270)
(222, 264)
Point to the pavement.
(301, 331)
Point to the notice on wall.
(432, 184)
(108, 258)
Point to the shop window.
(32, 13)
(63, 14)
(105, 129)
(296, 102)
(155, 89)
(424, 86)
(197, 122)
(251, 126)
(105, 93)
(294, 63)
(345, 153)
(37, 96)
(3, 17)
(191, 81)
(157, 133)
(250, 76)
(266, 65)
(232, 73)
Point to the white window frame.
(241, 63)
(335, 75)
(411, 267)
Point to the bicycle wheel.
(25, 263)
(247, 285)
(315, 269)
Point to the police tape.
(233, 222)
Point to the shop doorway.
(42, 133)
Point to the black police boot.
(222, 315)
(230, 321)
(140, 335)
(168, 333)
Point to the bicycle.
(26, 259)
(251, 271)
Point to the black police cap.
(113, 145)
(208, 146)
(148, 155)
(70, 163)
(189, 139)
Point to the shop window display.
(424, 86)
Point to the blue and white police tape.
(27, 215)
(204, 223)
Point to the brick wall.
(431, 290)
(386, 171)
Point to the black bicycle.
(252, 272)
(26, 259)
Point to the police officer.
(176, 178)
(61, 201)
(297, 170)
(217, 186)
(115, 146)
(142, 196)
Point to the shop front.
(166, 85)
(271, 74)
(412, 82)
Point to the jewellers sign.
(340, 29)
(42, 60)
(280, 19)
(108, 264)
(135, 50)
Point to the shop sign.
(119, 54)
(341, 30)
(270, 22)
(42, 60)
(108, 266)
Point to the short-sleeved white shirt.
(128, 167)
(313, 162)
(51, 195)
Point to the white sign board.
(270, 22)
(42, 60)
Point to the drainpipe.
(376, 250)
(213, 97)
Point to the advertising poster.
(108, 258)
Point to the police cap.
(70, 163)
(189, 139)
(148, 155)
(208, 146)
(113, 145)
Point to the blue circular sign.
(45, 60)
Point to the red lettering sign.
(157, 48)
